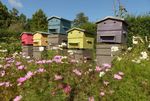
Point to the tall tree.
(14, 15)
(39, 21)
(4, 16)
(80, 19)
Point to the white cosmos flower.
(101, 74)
(143, 56)
(114, 48)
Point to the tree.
(22, 18)
(39, 21)
(4, 16)
(80, 19)
(90, 27)
(14, 15)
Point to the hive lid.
(79, 29)
(58, 18)
(113, 18)
(26, 33)
(46, 33)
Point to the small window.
(73, 44)
(105, 38)
(114, 21)
(104, 22)
(89, 42)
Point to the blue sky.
(94, 9)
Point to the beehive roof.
(26, 33)
(58, 18)
(113, 18)
(42, 32)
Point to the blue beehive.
(58, 25)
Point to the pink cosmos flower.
(98, 69)
(2, 73)
(39, 62)
(2, 83)
(18, 63)
(57, 59)
(121, 73)
(29, 75)
(41, 70)
(106, 65)
(49, 61)
(7, 84)
(91, 98)
(73, 61)
(58, 77)
(77, 72)
(21, 79)
(17, 98)
(7, 65)
(67, 89)
(21, 67)
(118, 77)
(102, 93)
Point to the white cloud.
(15, 3)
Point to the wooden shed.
(40, 38)
(26, 38)
(112, 30)
(80, 39)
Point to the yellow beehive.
(79, 38)
(40, 39)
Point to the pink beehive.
(26, 38)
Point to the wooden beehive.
(40, 39)
(111, 30)
(80, 39)
(56, 39)
(26, 38)
(58, 25)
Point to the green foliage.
(80, 19)
(39, 21)
(138, 26)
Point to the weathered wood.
(81, 54)
(38, 51)
(112, 30)
(27, 50)
(105, 53)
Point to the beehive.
(58, 25)
(40, 39)
(56, 39)
(26, 38)
(80, 39)
(112, 30)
